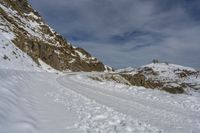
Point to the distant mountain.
(23, 34)
(163, 76)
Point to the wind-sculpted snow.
(33, 102)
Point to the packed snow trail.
(167, 118)
(41, 102)
(33, 102)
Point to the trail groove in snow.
(35, 102)
(40, 102)
(168, 118)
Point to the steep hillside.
(12, 57)
(22, 26)
(163, 76)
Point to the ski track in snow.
(164, 116)
(33, 102)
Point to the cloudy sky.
(125, 33)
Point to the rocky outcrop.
(141, 80)
(33, 36)
(171, 78)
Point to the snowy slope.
(169, 71)
(12, 57)
(35, 101)
(173, 75)
(163, 76)
(39, 41)
(73, 103)
(30, 103)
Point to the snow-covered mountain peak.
(166, 70)
(161, 67)
(169, 72)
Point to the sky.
(124, 33)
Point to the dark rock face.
(139, 80)
(39, 41)
(174, 90)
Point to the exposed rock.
(39, 41)
(137, 79)
(171, 78)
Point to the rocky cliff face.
(33, 36)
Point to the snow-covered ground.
(12, 57)
(41, 102)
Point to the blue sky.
(125, 33)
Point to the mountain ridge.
(39, 41)
(167, 77)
